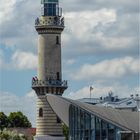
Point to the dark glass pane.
(97, 128)
(50, 9)
(92, 128)
(73, 121)
(78, 120)
(111, 132)
(104, 130)
(118, 135)
(82, 119)
(54, 9)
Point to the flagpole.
(90, 93)
(91, 88)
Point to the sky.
(100, 48)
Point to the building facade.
(49, 27)
(86, 126)
(90, 122)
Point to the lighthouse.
(49, 27)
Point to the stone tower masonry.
(49, 79)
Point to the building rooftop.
(131, 103)
(127, 120)
(121, 118)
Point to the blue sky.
(100, 47)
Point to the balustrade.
(56, 21)
(50, 82)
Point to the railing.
(49, 83)
(56, 21)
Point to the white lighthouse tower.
(49, 80)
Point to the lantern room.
(51, 8)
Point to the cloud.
(6, 9)
(69, 62)
(115, 68)
(11, 103)
(102, 90)
(17, 23)
(106, 32)
(98, 27)
(19, 60)
(2, 63)
(103, 32)
(120, 5)
(24, 60)
(1, 59)
(80, 23)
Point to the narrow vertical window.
(58, 120)
(58, 76)
(40, 112)
(57, 40)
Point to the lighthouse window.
(58, 120)
(40, 112)
(57, 39)
(49, 9)
(58, 76)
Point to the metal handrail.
(57, 21)
(50, 82)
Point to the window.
(103, 130)
(57, 40)
(58, 76)
(40, 112)
(58, 120)
(49, 9)
(97, 128)
(111, 132)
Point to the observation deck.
(56, 85)
(49, 21)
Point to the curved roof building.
(91, 122)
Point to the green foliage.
(15, 119)
(65, 131)
(4, 121)
(10, 135)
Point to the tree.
(65, 131)
(11, 135)
(17, 119)
(4, 121)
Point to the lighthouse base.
(49, 138)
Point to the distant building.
(130, 103)
(91, 122)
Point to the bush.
(10, 135)
(4, 121)
(65, 131)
